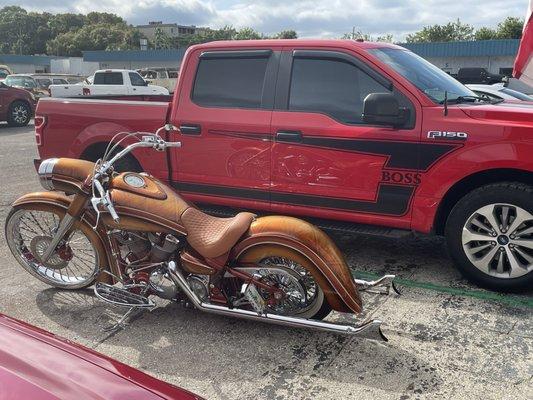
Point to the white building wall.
(452, 64)
(73, 65)
(138, 64)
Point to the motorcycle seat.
(212, 236)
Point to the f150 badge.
(447, 135)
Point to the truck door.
(223, 116)
(138, 84)
(326, 162)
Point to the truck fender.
(310, 247)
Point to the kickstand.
(122, 322)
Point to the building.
(135, 59)
(497, 56)
(172, 30)
(25, 64)
(73, 65)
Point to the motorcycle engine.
(199, 285)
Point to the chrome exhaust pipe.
(369, 329)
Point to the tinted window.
(333, 87)
(21, 81)
(136, 79)
(230, 82)
(108, 78)
(59, 81)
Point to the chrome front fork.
(64, 226)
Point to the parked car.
(355, 134)
(39, 365)
(17, 106)
(110, 82)
(478, 75)
(4, 72)
(165, 77)
(27, 82)
(499, 92)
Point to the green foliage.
(287, 34)
(354, 35)
(510, 28)
(486, 34)
(162, 40)
(63, 34)
(450, 32)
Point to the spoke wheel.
(75, 262)
(498, 240)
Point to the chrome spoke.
(527, 243)
(521, 217)
(483, 262)
(514, 264)
(488, 213)
(469, 236)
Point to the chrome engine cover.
(199, 284)
(163, 285)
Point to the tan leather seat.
(212, 236)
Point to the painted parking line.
(514, 301)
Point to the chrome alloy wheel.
(498, 240)
(20, 114)
(73, 265)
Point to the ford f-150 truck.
(354, 132)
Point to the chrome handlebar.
(104, 199)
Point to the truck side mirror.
(384, 109)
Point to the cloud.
(310, 18)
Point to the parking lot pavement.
(448, 339)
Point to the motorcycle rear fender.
(307, 245)
(47, 200)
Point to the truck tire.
(490, 236)
(19, 113)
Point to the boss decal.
(447, 135)
(401, 177)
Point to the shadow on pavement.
(237, 350)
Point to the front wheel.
(19, 114)
(490, 236)
(76, 262)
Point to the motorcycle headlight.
(45, 173)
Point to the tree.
(287, 34)
(486, 34)
(451, 32)
(246, 34)
(162, 40)
(510, 28)
(354, 35)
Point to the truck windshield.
(425, 76)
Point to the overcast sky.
(310, 18)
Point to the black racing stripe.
(225, 191)
(391, 199)
(401, 155)
(242, 135)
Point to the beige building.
(172, 30)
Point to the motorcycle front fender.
(46, 201)
(306, 244)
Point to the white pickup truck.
(109, 82)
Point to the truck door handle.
(289, 136)
(190, 129)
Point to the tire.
(81, 254)
(19, 114)
(489, 233)
(317, 307)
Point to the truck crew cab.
(346, 131)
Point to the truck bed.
(72, 127)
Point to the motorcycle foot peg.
(384, 285)
(121, 296)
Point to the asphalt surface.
(448, 339)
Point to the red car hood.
(35, 364)
(505, 111)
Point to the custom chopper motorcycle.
(133, 237)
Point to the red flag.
(523, 65)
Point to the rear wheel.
(74, 264)
(490, 236)
(303, 296)
(19, 114)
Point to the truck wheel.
(490, 236)
(19, 114)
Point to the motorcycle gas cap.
(134, 180)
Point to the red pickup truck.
(354, 132)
